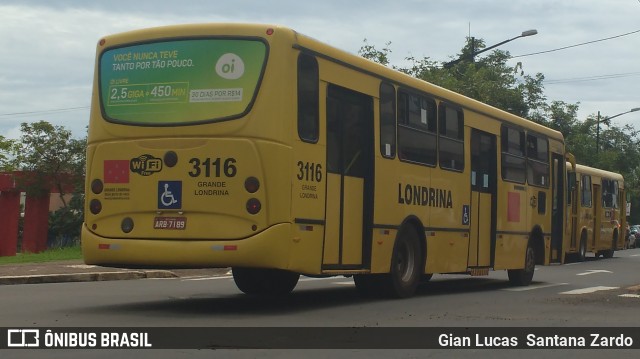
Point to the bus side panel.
(382, 247)
(512, 225)
(447, 252)
(306, 248)
(539, 215)
(510, 250)
(447, 236)
(388, 212)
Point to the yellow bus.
(258, 148)
(597, 205)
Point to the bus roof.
(598, 172)
(331, 53)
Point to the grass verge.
(57, 254)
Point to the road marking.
(589, 290)
(592, 271)
(207, 278)
(309, 279)
(635, 255)
(532, 287)
(629, 295)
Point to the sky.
(47, 47)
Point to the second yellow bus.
(597, 206)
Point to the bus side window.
(451, 138)
(417, 125)
(610, 193)
(538, 160)
(387, 120)
(308, 98)
(513, 155)
(615, 194)
(586, 191)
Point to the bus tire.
(523, 277)
(406, 265)
(260, 281)
(582, 250)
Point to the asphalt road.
(594, 293)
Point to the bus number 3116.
(309, 171)
(217, 167)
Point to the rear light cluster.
(95, 206)
(252, 185)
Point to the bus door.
(349, 201)
(483, 199)
(557, 204)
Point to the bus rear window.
(180, 82)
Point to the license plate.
(170, 223)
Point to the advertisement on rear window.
(180, 82)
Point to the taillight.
(253, 206)
(252, 185)
(97, 186)
(95, 206)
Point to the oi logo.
(230, 66)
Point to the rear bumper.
(270, 248)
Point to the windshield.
(180, 82)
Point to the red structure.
(36, 216)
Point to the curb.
(86, 277)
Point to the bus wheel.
(406, 265)
(582, 251)
(523, 277)
(261, 281)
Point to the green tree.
(488, 79)
(370, 52)
(53, 155)
(5, 149)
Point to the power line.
(44, 112)
(591, 78)
(584, 43)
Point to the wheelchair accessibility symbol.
(169, 194)
(465, 215)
